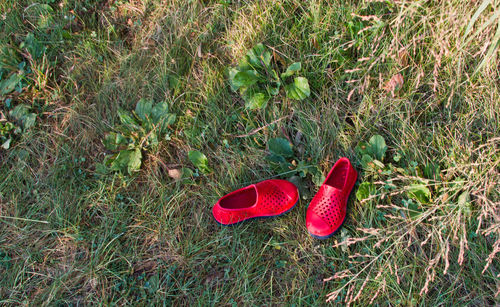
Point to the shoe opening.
(242, 199)
(337, 176)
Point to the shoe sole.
(262, 217)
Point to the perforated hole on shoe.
(329, 215)
(273, 199)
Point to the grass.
(70, 235)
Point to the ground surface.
(422, 74)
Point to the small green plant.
(6, 129)
(372, 153)
(257, 81)
(199, 160)
(372, 159)
(13, 71)
(141, 130)
(20, 119)
(5, 260)
(16, 76)
(284, 161)
(365, 190)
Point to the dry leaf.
(394, 84)
(198, 50)
(315, 43)
(350, 94)
(175, 173)
(278, 58)
(403, 57)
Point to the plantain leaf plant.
(257, 81)
(19, 120)
(140, 130)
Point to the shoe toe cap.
(288, 188)
(316, 225)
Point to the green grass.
(70, 235)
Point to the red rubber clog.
(264, 199)
(327, 210)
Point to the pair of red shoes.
(275, 197)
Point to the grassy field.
(423, 224)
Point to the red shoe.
(264, 199)
(327, 210)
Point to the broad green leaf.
(134, 162)
(284, 169)
(245, 78)
(232, 72)
(317, 176)
(101, 169)
(414, 210)
(280, 147)
(28, 120)
(119, 162)
(366, 160)
(158, 111)
(127, 160)
(168, 119)
(143, 109)
(199, 160)
(377, 147)
(160, 115)
(299, 89)
(113, 140)
(255, 99)
(295, 67)
(302, 168)
(244, 65)
(365, 190)
(126, 119)
(276, 159)
(8, 85)
(420, 193)
(109, 141)
(258, 56)
(362, 148)
(173, 82)
(19, 111)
